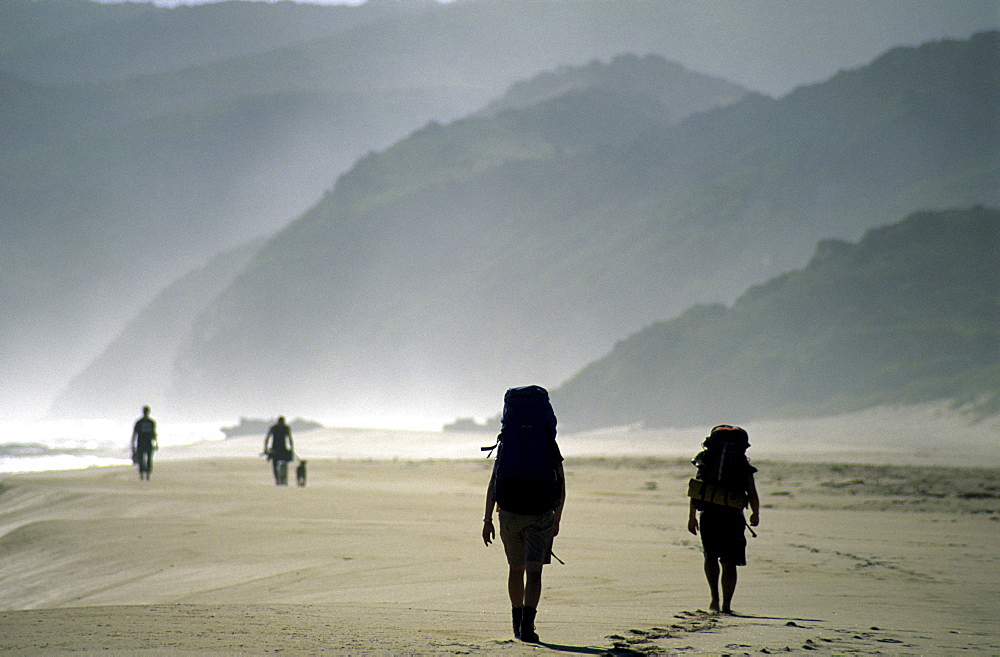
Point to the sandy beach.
(385, 557)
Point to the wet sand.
(385, 557)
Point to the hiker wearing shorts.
(723, 466)
(528, 487)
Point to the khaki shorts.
(527, 538)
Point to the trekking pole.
(752, 532)
(557, 558)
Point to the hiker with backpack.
(528, 487)
(723, 488)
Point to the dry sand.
(385, 557)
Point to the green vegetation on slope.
(909, 314)
(500, 250)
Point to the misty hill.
(909, 314)
(168, 133)
(138, 142)
(131, 371)
(766, 46)
(137, 165)
(483, 254)
(75, 41)
(177, 134)
(687, 92)
(585, 117)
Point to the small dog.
(300, 474)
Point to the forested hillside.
(139, 142)
(496, 250)
(909, 314)
(602, 105)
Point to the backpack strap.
(490, 448)
(722, 461)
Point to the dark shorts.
(527, 538)
(722, 535)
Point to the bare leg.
(515, 591)
(728, 586)
(515, 586)
(533, 584)
(712, 574)
(532, 594)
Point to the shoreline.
(927, 434)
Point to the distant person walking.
(723, 488)
(528, 486)
(144, 443)
(279, 450)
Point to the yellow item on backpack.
(715, 494)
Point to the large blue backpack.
(527, 456)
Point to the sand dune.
(385, 557)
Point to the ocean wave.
(74, 444)
(27, 450)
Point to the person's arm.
(155, 444)
(489, 532)
(754, 502)
(692, 518)
(291, 445)
(561, 475)
(267, 440)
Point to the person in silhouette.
(723, 463)
(528, 487)
(279, 450)
(144, 443)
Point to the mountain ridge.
(134, 143)
(518, 134)
(585, 245)
(908, 314)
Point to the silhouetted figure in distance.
(144, 443)
(279, 450)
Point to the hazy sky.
(176, 3)
(768, 37)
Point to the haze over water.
(931, 434)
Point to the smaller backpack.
(722, 468)
(526, 467)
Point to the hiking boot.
(515, 614)
(528, 634)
